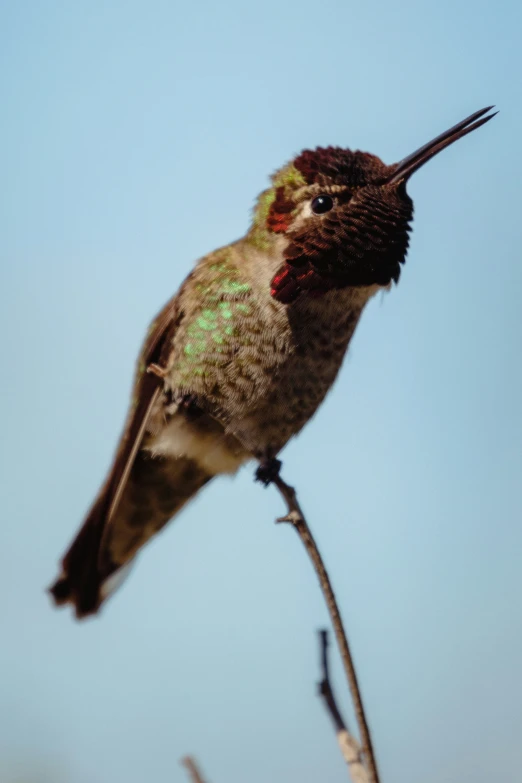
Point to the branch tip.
(194, 772)
(352, 753)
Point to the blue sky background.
(134, 139)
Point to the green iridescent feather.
(212, 330)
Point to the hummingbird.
(240, 359)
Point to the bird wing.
(203, 325)
(77, 582)
(147, 387)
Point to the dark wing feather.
(79, 582)
(147, 387)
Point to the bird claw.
(159, 372)
(268, 470)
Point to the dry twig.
(350, 748)
(193, 769)
(296, 518)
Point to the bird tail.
(155, 489)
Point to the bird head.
(345, 216)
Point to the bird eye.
(321, 204)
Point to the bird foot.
(268, 470)
(155, 369)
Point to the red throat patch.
(290, 282)
(280, 214)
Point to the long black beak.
(405, 168)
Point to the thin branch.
(193, 769)
(325, 687)
(296, 518)
(350, 748)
